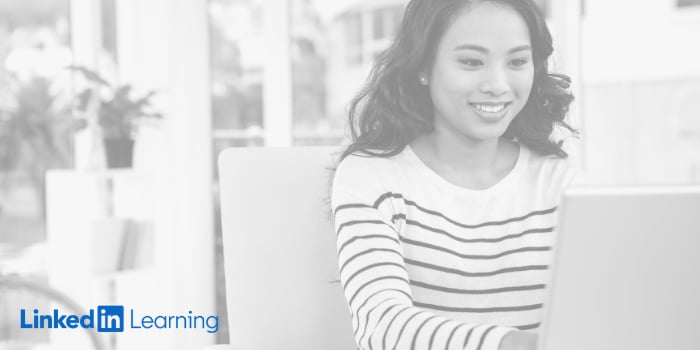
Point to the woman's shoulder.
(370, 175)
(360, 165)
(359, 162)
(555, 168)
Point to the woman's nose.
(494, 82)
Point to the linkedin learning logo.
(110, 318)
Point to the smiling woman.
(407, 109)
(484, 67)
(445, 203)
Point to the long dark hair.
(394, 108)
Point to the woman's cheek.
(463, 82)
(524, 81)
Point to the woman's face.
(483, 72)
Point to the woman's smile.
(490, 111)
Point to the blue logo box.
(110, 318)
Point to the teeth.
(489, 108)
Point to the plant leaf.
(90, 75)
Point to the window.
(236, 73)
(370, 32)
(378, 25)
(385, 21)
(353, 31)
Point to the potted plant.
(117, 115)
(36, 134)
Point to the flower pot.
(119, 153)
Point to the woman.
(445, 202)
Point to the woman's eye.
(470, 62)
(518, 62)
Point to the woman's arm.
(376, 283)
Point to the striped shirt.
(426, 264)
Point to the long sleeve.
(376, 282)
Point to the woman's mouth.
(490, 111)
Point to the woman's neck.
(459, 151)
(472, 163)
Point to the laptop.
(281, 267)
(626, 271)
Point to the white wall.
(640, 71)
(640, 40)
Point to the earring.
(423, 79)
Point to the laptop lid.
(281, 266)
(626, 271)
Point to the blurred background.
(170, 83)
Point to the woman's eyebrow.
(471, 47)
(485, 50)
(520, 48)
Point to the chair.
(280, 258)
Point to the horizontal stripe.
(378, 279)
(386, 332)
(470, 256)
(478, 309)
(342, 247)
(403, 328)
(415, 336)
(367, 300)
(478, 291)
(371, 267)
(437, 329)
(476, 274)
(383, 197)
(351, 205)
(483, 337)
(372, 250)
(467, 337)
(449, 339)
(379, 321)
(528, 327)
(387, 195)
(358, 222)
(478, 240)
